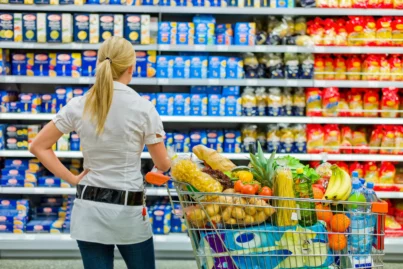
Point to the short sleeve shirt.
(114, 160)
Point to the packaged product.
(316, 31)
(233, 105)
(329, 36)
(360, 142)
(249, 137)
(181, 104)
(273, 138)
(371, 68)
(340, 68)
(358, 167)
(398, 140)
(216, 105)
(198, 66)
(398, 4)
(232, 141)
(181, 67)
(204, 33)
(299, 131)
(371, 103)
(291, 62)
(9, 23)
(86, 28)
(313, 102)
(396, 67)
(384, 68)
(185, 33)
(355, 102)
(215, 140)
(315, 138)
(369, 33)
(389, 103)
(249, 102)
(319, 67)
(306, 62)
(89, 58)
(388, 140)
(29, 27)
(384, 31)
(329, 68)
(341, 29)
(166, 33)
(354, 68)
(286, 138)
(330, 103)
(262, 138)
(375, 140)
(261, 101)
(371, 172)
(224, 34)
(298, 102)
(355, 29)
(387, 173)
(198, 104)
(165, 66)
(217, 67)
(165, 104)
(397, 30)
(275, 102)
(245, 33)
(287, 102)
(65, 64)
(234, 68)
(343, 106)
(331, 138)
(283, 187)
(161, 219)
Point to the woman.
(114, 123)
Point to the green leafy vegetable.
(294, 163)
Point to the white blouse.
(114, 160)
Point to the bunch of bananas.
(339, 187)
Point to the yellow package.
(249, 102)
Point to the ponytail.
(115, 56)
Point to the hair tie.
(109, 59)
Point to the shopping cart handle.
(156, 178)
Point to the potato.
(239, 201)
(260, 217)
(231, 221)
(248, 219)
(212, 210)
(238, 213)
(226, 215)
(216, 219)
(225, 201)
(197, 215)
(229, 191)
(250, 210)
(269, 210)
(199, 223)
(260, 204)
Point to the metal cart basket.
(236, 231)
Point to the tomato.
(266, 191)
(319, 186)
(256, 186)
(238, 186)
(248, 189)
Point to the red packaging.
(399, 140)
(343, 107)
(355, 28)
(384, 31)
(398, 4)
(371, 172)
(396, 67)
(356, 166)
(375, 140)
(386, 3)
(388, 140)
(329, 68)
(331, 138)
(369, 33)
(390, 102)
(330, 102)
(329, 36)
(359, 142)
(354, 99)
(315, 138)
(387, 173)
(384, 68)
(371, 103)
(316, 30)
(346, 140)
(354, 68)
(397, 30)
(340, 68)
(371, 67)
(319, 67)
(341, 33)
(343, 165)
(313, 102)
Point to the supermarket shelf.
(389, 194)
(205, 10)
(210, 119)
(151, 191)
(63, 46)
(357, 84)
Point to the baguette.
(213, 158)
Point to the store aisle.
(119, 264)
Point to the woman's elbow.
(33, 148)
(164, 166)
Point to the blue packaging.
(17, 163)
(197, 137)
(232, 141)
(185, 33)
(41, 64)
(54, 28)
(169, 140)
(77, 91)
(12, 171)
(47, 211)
(12, 181)
(49, 182)
(65, 64)
(61, 97)
(74, 142)
(12, 204)
(198, 105)
(215, 140)
(181, 142)
(245, 33)
(178, 224)
(217, 67)
(81, 28)
(165, 104)
(51, 201)
(165, 66)
(29, 31)
(66, 227)
(198, 66)
(204, 33)
(132, 28)
(7, 25)
(234, 68)
(233, 106)
(224, 34)
(30, 103)
(214, 89)
(181, 104)
(89, 62)
(181, 67)
(57, 226)
(17, 131)
(13, 107)
(145, 64)
(152, 97)
(216, 105)
(230, 90)
(20, 63)
(11, 228)
(39, 226)
(198, 89)
(106, 26)
(167, 33)
(162, 219)
(48, 103)
(14, 219)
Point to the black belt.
(109, 196)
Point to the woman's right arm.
(159, 155)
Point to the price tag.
(76, 46)
(213, 82)
(200, 47)
(30, 237)
(294, 216)
(10, 79)
(84, 80)
(292, 83)
(292, 49)
(260, 48)
(320, 83)
(251, 82)
(39, 191)
(163, 81)
(320, 49)
(164, 47)
(222, 48)
(355, 50)
(65, 237)
(373, 84)
(28, 45)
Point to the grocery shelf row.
(211, 82)
(212, 119)
(205, 10)
(235, 156)
(210, 48)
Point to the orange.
(324, 213)
(339, 223)
(337, 241)
(317, 193)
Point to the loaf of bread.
(214, 159)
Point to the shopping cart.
(224, 234)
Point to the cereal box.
(215, 140)
(217, 67)
(198, 104)
(185, 33)
(181, 67)
(67, 28)
(234, 68)
(29, 32)
(118, 25)
(106, 26)
(167, 33)
(54, 28)
(65, 64)
(89, 62)
(245, 33)
(165, 104)
(181, 104)
(198, 66)
(132, 28)
(41, 64)
(165, 66)
(216, 105)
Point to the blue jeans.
(100, 256)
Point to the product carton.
(29, 30)
(216, 105)
(165, 104)
(185, 33)
(181, 67)
(217, 67)
(232, 141)
(165, 66)
(181, 104)
(162, 219)
(181, 142)
(198, 66)
(233, 105)
(89, 62)
(215, 140)
(106, 26)
(245, 33)
(224, 34)
(198, 104)
(54, 28)
(65, 64)
(167, 33)
(197, 137)
(41, 64)
(234, 68)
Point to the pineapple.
(262, 168)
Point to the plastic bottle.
(303, 189)
(355, 177)
(371, 220)
(357, 215)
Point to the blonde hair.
(115, 56)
